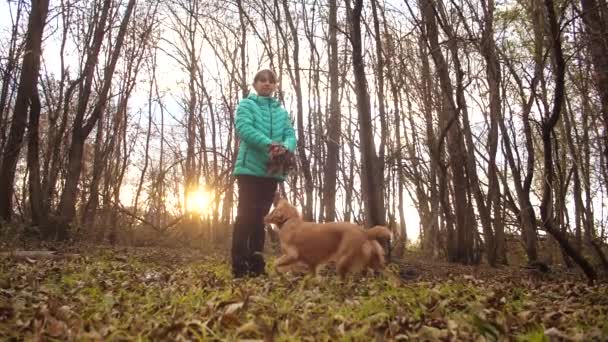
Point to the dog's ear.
(277, 216)
(291, 211)
(276, 198)
(283, 203)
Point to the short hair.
(265, 74)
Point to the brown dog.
(351, 247)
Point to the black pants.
(255, 198)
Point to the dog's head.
(282, 212)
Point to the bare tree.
(371, 184)
(334, 124)
(546, 209)
(461, 248)
(27, 99)
(82, 128)
(595, 16)
(294, 74)
(8, 72)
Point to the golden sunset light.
(198, 201)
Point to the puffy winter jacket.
(260, 121)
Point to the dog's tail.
(378, 233)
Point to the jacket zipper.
(270, 113)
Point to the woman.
(261, 122)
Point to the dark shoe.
(255, 274)
(257, 266)
(239, 274)
(240, 269)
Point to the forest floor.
(159, 294)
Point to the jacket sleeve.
(245, 129)
(289, 134)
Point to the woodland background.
(489, 118)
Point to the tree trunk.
(8, 74)
(430, 223)
(305, 167)
(27, 96)
(459, 252)
(579, 211)
(494, 78)
(39, 215)
(243, 50)
(372, 189)
(349, 178)
(384, 134)
(526, 213)
(470, 165)
(397, 142)
(100, 150)
(595, 18)
(546, 208)
(144, 170)
(67, 205)
(334, 125)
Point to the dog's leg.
(343, 266)
(317, 275)
(282, 269)
(298, 268)
(287, 259)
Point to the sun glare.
(198, 201)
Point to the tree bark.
(398, 155)
(82, 128)
(546, 208)
(27, 99)
(305, 167)
(380, 93)
(8, 74)
(494, 80)
(595, 18)
(373, 199)
(430, 225)
(334, 125)
(39, 215)
(461, 251)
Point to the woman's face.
(264, 86)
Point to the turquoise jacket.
(260, 121)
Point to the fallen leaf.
(552, 317)
(525, 315)
(452, 325)
(249, 327)
(233, 308)
(378, 317)
(63, 313)
(90, 336)
(341, 328)
(428, 333)
(55, 328)
(339, 318)
(554, 332)
(230, 320)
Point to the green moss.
(536, 334)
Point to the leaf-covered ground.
(181, 295)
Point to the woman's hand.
(280, 160)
